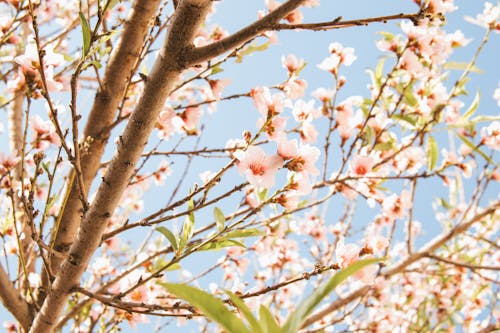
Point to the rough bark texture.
(118, 73)
(189, 16)
(13, 301)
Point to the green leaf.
(244, 233)
(404, 118)
(85, 34)
(461, 66)
(169, 236)
(472, 146)
(216, 69)
(262, 194)
(432, 153)
(191, 207)
(254, 47)
(217, 245)
(472, 109)
(174, 267)
(297, 317)
(245, 310)
(219, 217)
(187, 232)
(209, 305)
(267, 318)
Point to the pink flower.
(346, 54)
(167, 124)
(303, 111)
(488, 18)
(308, 132)
(287, 149)
(291, 63)
(396, 206)
(491, 135)
(274, 128)
(45, 132)
(362, 165)
(304, 161)
(190, 119)
(294, 88)
(258, 167)
(268, 105)
(346, 254)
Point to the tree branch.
(339, 24)
(170, 63)
(118, 73)
(13, 301)
(266, 23)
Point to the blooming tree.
(305, 220)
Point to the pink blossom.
(410, 160)
(304, 161)
(346, 54)
(7, 162)
(287, 149)
(396, 206)
(303, 111)
(488, 18)
(45, 132)
(294, 88)
(308, 132)
(167, 124)
(323, 94)
(491, 135)
(273, 128)
(299, 183)
(190, 119)
(291, 63)
(362, 165)
(346, 254)
(259, 168)
(330, 64)
(268, 105)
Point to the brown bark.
(118, 73)
(13, 301)
(189, 16)
(175, 56)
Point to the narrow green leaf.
(169, 236)
(244, 233)
(461, 66)
(471, 145)
(85, 34)
(262, 194)
(432, 153)
(254, 47)
(187, 231)
(209, 305)
(191, 207)
(472, 109)
(247, 313)
(217, 245)
(219, 217)
(267, 318)
(216, 69)
(297, 317)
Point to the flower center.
(257, 169)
